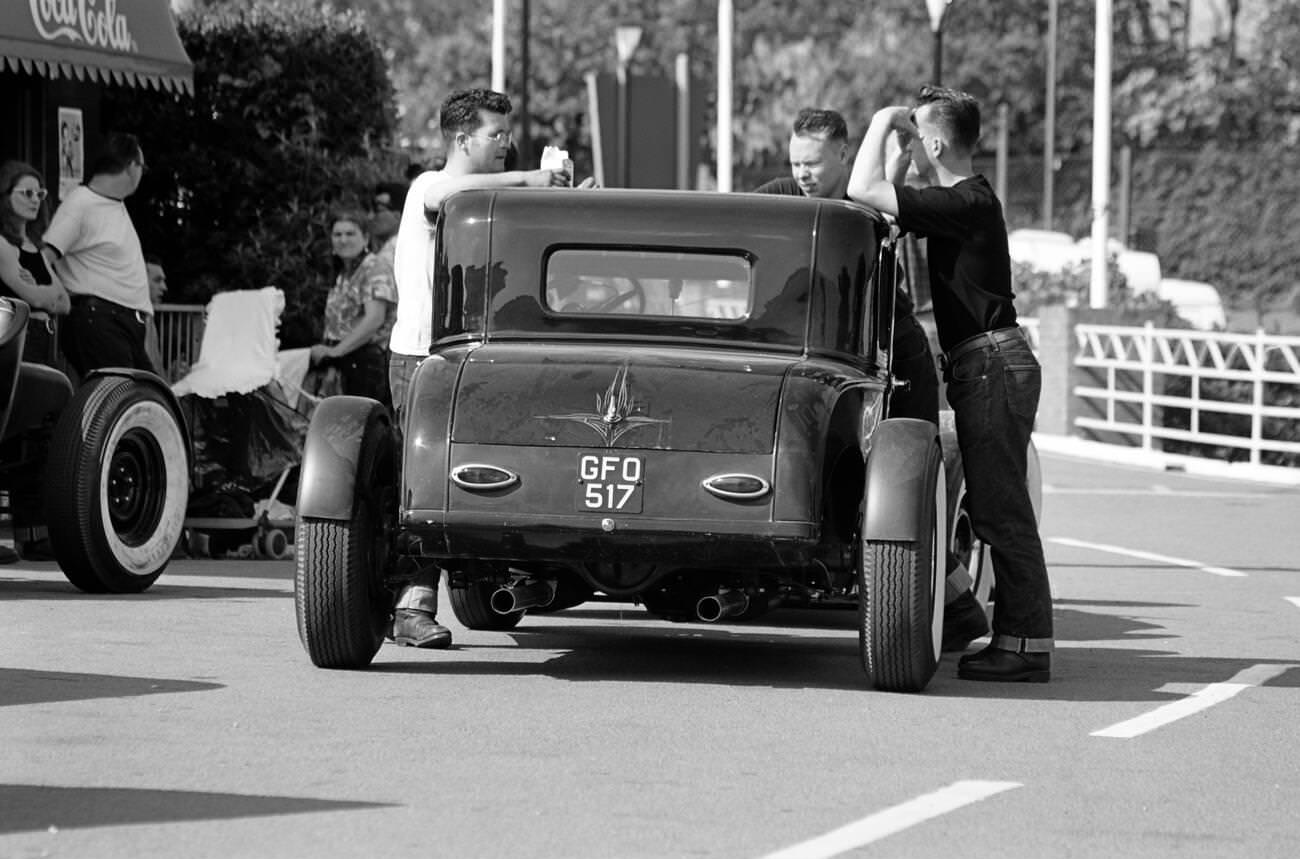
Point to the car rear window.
(654, 283)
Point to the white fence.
(1129, 378)
(1123, 380)
(180, 331)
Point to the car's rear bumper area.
(593, 540)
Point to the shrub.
(1220, 423)
(1071, 286)
(292, 114)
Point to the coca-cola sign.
(94, 23)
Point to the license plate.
(610, 483)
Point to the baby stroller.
(248, 412)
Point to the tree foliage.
(244, 174)
(1174, 88)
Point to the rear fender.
(903, 452)
(328, 482)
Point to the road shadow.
(16, 589)
(818, 649)
(26, 686)
(1113, 674)
(33, 808)
(677, 653)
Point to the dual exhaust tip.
(510, 599)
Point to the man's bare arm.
(440, 191)
(869, 183)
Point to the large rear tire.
(900, 596)
(342, 604)
(116, 485)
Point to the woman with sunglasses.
(23, 272)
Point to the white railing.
(1128, 373)
(180, 331)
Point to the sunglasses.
(33, 194)
(501, 138)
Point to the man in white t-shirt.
(475, 126)
(93, 247)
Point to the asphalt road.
(187, 721)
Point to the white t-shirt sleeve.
(65, 227)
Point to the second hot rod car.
(676, 398)
(104, 468)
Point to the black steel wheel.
(116, 485)
(900, 596)
(341, 601)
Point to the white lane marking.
(894, 819)
(1148, 556)
(1203, 698)
(1162, 491)
(1293, 600)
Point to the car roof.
(791, 243)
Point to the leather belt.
(992, 339)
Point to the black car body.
(677, 398)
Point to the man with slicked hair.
(993, 378)
(475, 127)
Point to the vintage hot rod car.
(105, 468)
(674, 398)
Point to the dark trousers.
(99, 333)
(364, 372)
(913, 362)
(993, 389)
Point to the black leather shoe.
(8, 555)
(414, 628)
(963, 622)
(1008, 666)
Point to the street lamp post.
(1049, 120)
(626, 38)
(938, 10)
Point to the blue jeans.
(993, 389)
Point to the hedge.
(293, 114)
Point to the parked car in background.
(1141, 269)
(1196, 301)
(673, 398)
(107, 464)
(1045, 250)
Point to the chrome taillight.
(736, 487)
(477, 476)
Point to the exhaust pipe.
(512, 598)
(721, 605)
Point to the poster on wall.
(72, 161)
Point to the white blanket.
(240, 344)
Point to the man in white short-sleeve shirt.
(93, 246)
(475, 126)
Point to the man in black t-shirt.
(993, 377)
(819, 167)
